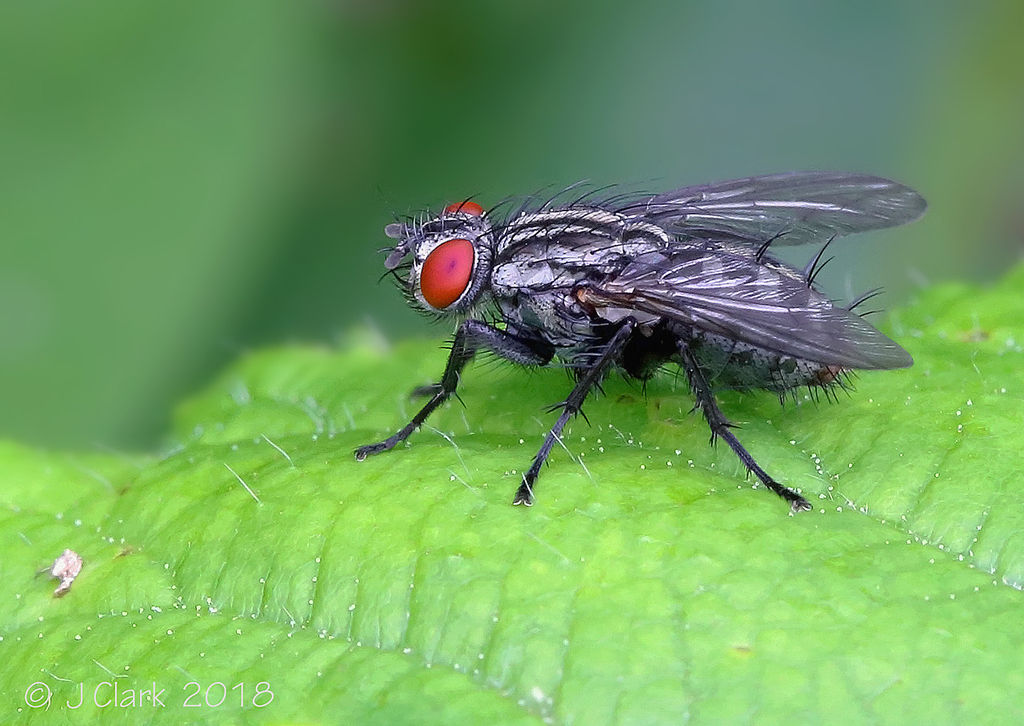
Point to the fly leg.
(720, 426)
(471, 337)
(572, 405)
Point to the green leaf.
(651, 583)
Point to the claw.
(369, 450)
(799, 505)
(524, 495)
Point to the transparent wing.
(795, 208)
(743, 300)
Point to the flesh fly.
(635, 282)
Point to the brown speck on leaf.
(974, 336)
(66, 568)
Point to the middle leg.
(572, 405)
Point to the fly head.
(450, 258)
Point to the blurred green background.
(184, 181)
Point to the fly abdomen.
(735, 365)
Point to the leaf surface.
(649, 583)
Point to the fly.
(634, 282)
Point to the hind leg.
(720, 427)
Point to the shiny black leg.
(571, 406)
(720, 426)
(471, 337)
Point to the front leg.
(471, 336)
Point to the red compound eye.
(467, 207)
(446, 272)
